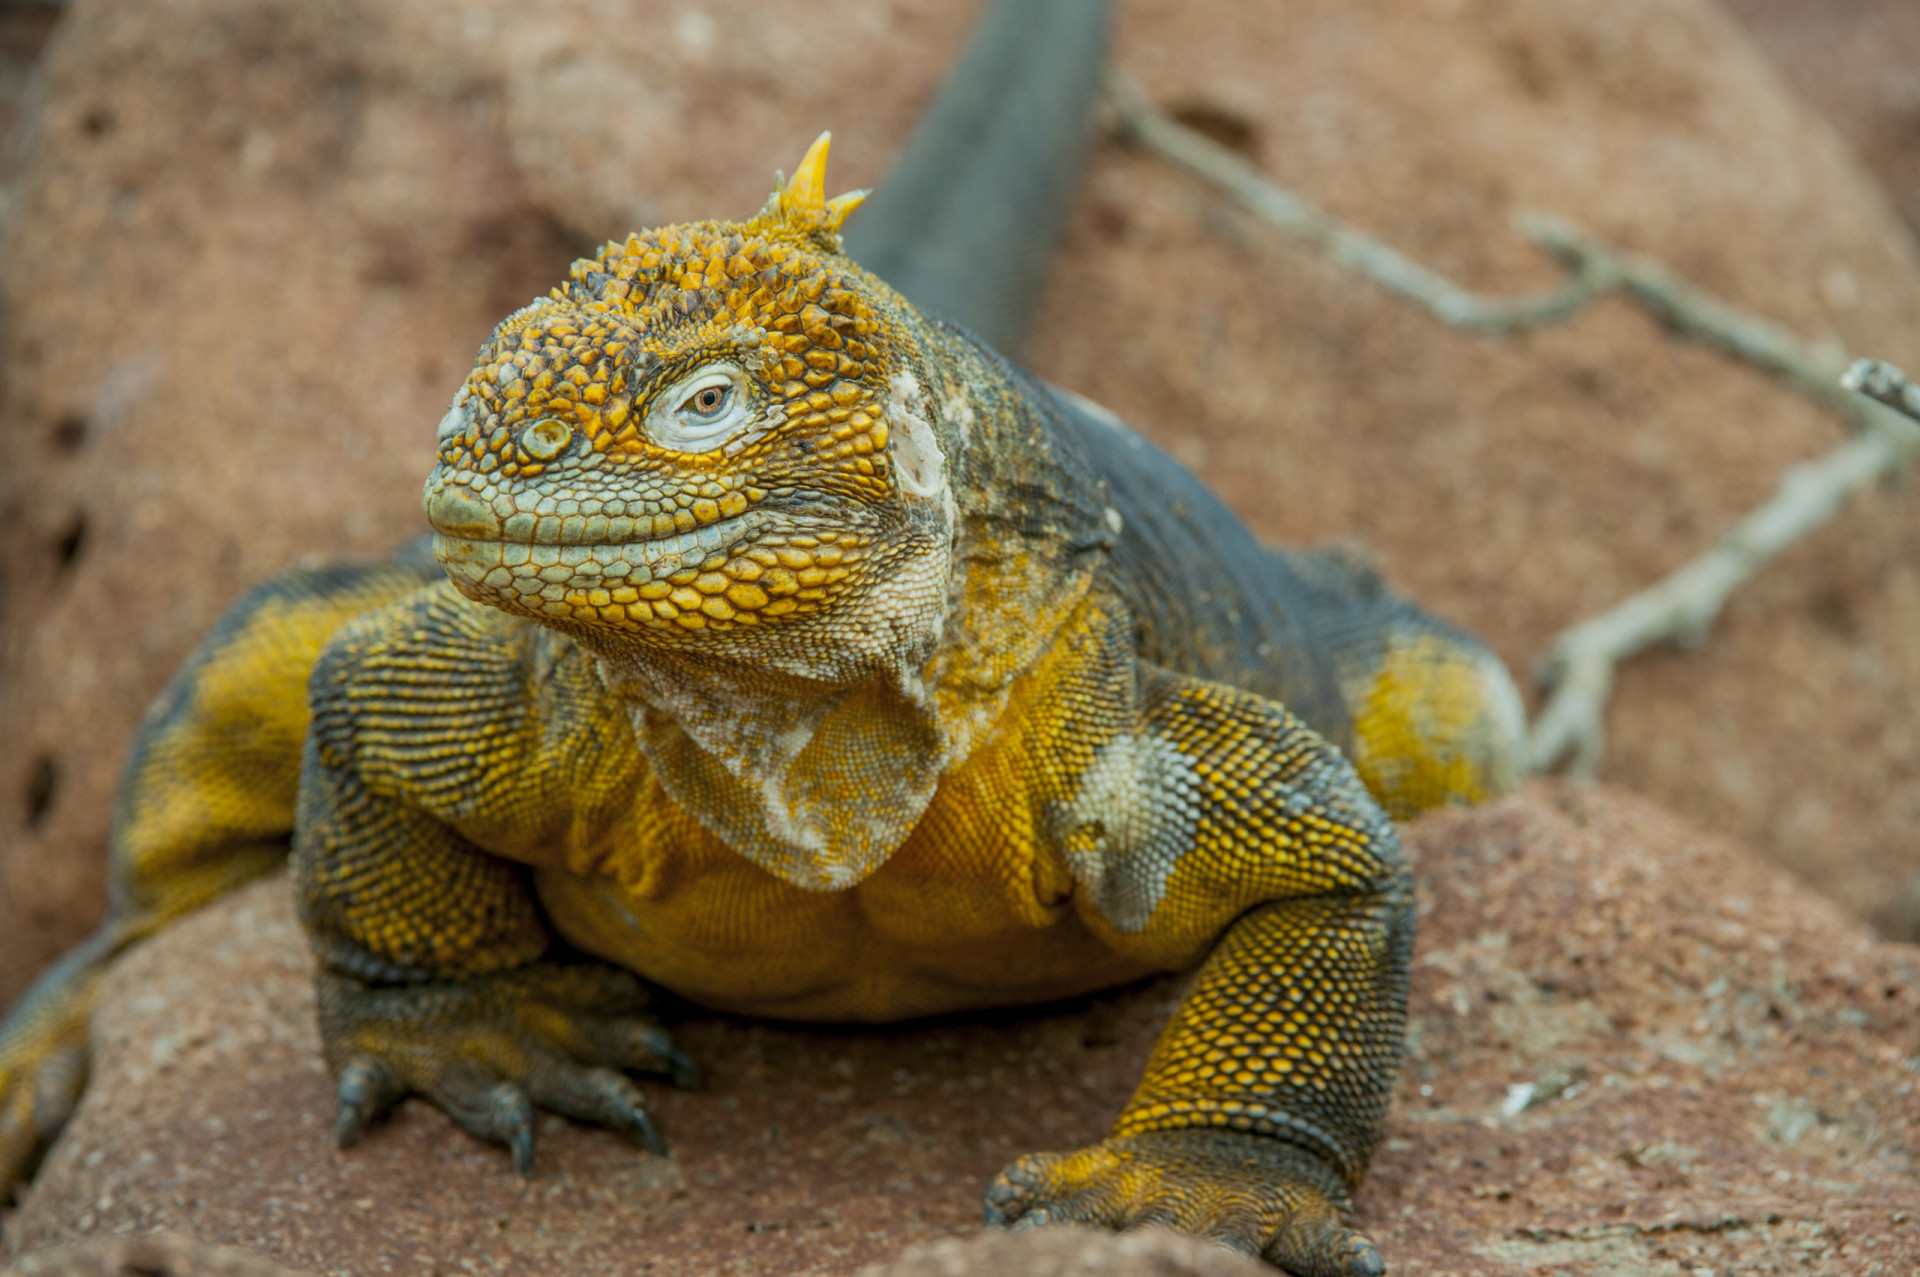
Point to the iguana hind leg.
(204, 804)
(43, 1058)
(1433, 716)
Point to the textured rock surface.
(1068, 1252)
(155, 1255)
(1054, 1252)
(1632, 1050)
(256, 242)
(1858, 61)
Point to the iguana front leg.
(439, 975)
(1261, 1102)
(439, 979)
(1263, 1098)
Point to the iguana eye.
(701, 411)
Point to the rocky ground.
(249, 246)
(253, 244)
(1632, 1051)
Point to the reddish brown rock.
(1858, 61)
(1069, 1252)
(255, 242)
(155, 1255)
(1632, 1049)
(1520, 484)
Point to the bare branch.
(1691, 313)
(1885, 384)
(1138, 121)
(1875, 398)
(1579, 669)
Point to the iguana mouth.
(719, 577)
(595, 537)
(456, 511)
(637, 560)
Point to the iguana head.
(709, 439)
(811, 537)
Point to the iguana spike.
(802, 200)
(841, 205)
(805, 194)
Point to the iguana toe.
(641, 1046)
(366, 1089)
(491, 1109)
(491, 1050)
(1249, 1193)
(597, 1095)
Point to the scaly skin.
(800, 656)
(805, 668)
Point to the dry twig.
(1883, 383)
(1876, 399)
(1579, 667)
(1138, 120)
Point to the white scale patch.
(917, 458)
(459, 415)
(1144, 795)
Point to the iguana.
(796, 653)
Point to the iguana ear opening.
(803, 200)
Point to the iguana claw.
(488, 1051)
(683, 1072)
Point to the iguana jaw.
(739, 572)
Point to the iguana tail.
(967, 221)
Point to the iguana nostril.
(544, 439)
(455, 511)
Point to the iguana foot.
(488, 1050)
(1248, 1192)
(43, 1067)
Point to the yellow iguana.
(798, 654)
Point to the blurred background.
(248, 247)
